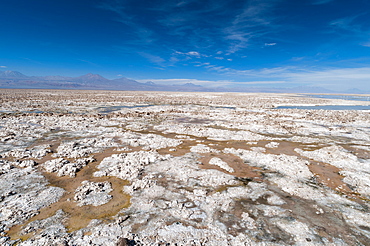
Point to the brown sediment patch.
(181, 149)
(236, 144)
(284, 147)
(241, 169)
(79, 217)
(328, 224)
(44, 140)
(191, 120)
(287, 147)
(359, 152)
(329, 176)
(184, 148)
(224, 128)
(323, 220)
(268, 231)
(325, 173)
(54, 144)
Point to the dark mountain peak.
(190, 85)
(91, 78)
(55, 77)
(124, 80)
(12, 74)
(11, 79)
(150, 83)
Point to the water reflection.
(343, 97)
(328, 107)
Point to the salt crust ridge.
(173, 199)
(23, 192)
(93, 193)
(356, 172)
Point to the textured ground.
(152, 168)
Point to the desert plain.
(177, 168)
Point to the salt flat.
(165, 168)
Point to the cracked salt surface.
(93, 193)
(157, 168)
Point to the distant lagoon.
(333, 107)
(343, 97)
(327, 107)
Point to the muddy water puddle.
(190, 120)
(241, 169)
(329, 176)
(286, 147)
(80, 216)
(325, 173)
(325, 221)
(358, 151)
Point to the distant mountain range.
(17, 80)
(14, 80)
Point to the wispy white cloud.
(330, 78)
(183, 3)
(318, 2)
(336, 79)
(201, 64)
(254, 73)
(32, 60)
(142, 34)
(353, 28)
(270, 44)
(184, 81)
(174, 59)
(340, 77)
(254, 13)
(297, 58)
(176, 21)
(219, 69)
(254, 21)
(212, 83)
(191, 54)
(258, 82)
(153, 58)
(89, 62)
(239, 40)
(269, 82)
(3, 66)
(346, 23)
(114, 6)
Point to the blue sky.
(255, 43)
